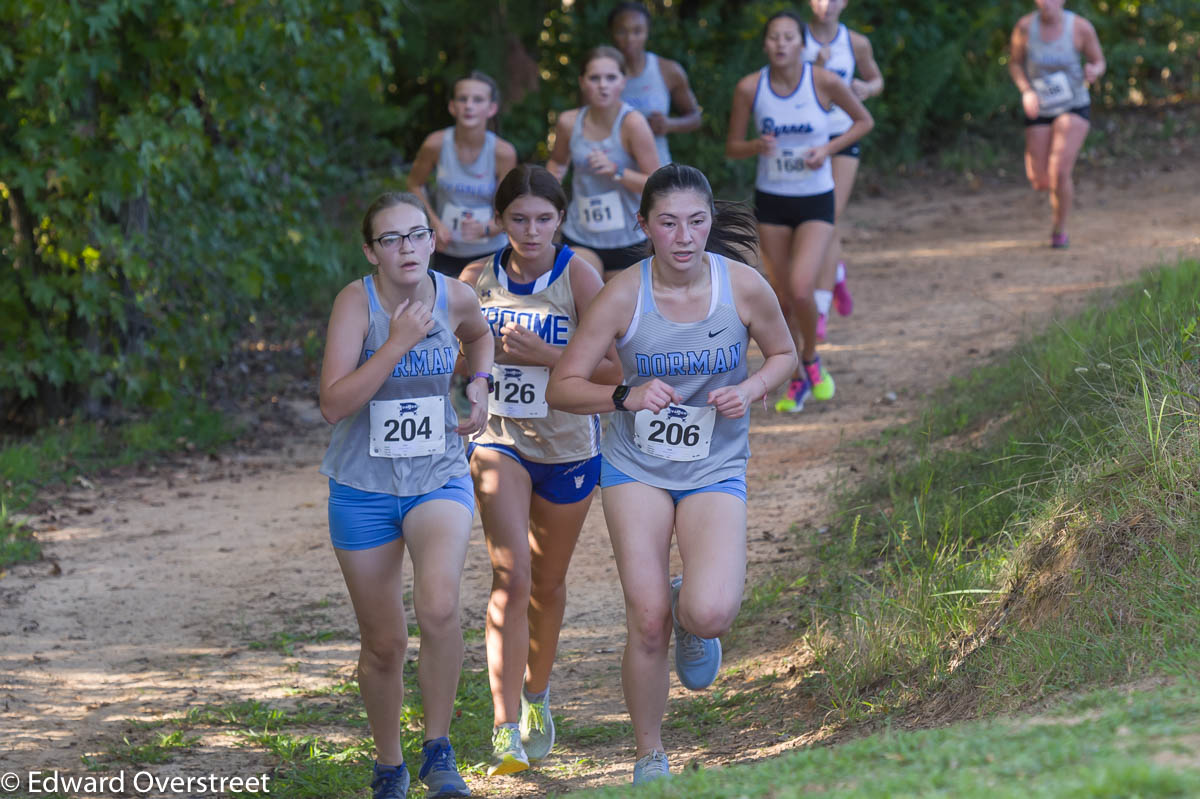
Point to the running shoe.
(793, 401)
(390, 782)
(821, 322)
(508, 756)
(843, 302)
(439, 772)
(1060, 241)
(537, 726)
(697, 660)
(652, 767)
(820, 380)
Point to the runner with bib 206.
(610, 150)
(534, 467)
(794, 198)
(675, 451)
(1044, 63)
(398, 476)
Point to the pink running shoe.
(1059, 241)
(821, 322)
(842, 301)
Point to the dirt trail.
(158, 591)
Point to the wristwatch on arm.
(618, 396)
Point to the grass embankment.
(1038, 530)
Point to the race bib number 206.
(408, 428)
(676, 433)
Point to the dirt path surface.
(207, 581)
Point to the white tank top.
(840, 62)
(799, 123)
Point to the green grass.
(58, 455)
(1107, 744)
(1036, 530)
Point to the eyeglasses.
(391, 241)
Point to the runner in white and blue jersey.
(398, 476)
(675, 450)
(830, 44)
(1044, 63)
(653, 85)
(794, 195)
(535, 468)
(466, 161)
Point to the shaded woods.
(169, 170)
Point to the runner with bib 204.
(398, 476)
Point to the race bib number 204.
(408, 428)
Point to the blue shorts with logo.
(365, 519)
(612, 476)
(560, 483)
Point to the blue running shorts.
(560, 483)
(612, 476)
(364, 519)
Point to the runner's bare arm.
(864, 56)
(683, 99)
(830, 89)
(736, 143)
(560, 153)
(639, 142)
(1094, 64)
(759, 309)
(472, 331)
(586, 284)
(470, 275)
(422, 168)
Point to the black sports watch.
(491, 381)
(619, 394)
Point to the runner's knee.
(384, 652)
(650, 628)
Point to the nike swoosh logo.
(717, 332)
(431, 334)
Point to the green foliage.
(944, 65)
(1081, 445)
(167, 171)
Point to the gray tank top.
(467, 189)
(694, 358)
(1055, 70)
(648, 93)
(424, 371)
(602, 212)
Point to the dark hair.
(621, 8)
(792, 15)
(603, 51)
(734, 231)
(382, 203)
(482, 77)
(529, 179)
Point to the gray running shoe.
(697, 660)
(652, 767)
(537, 726)
(508, 756)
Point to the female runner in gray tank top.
(675, 451)
(398, 476)
(467, 161)
(610, 150)
(1044, 64)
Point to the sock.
(824, 300)
(841, 273)
(512, 725)
(533, 699)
